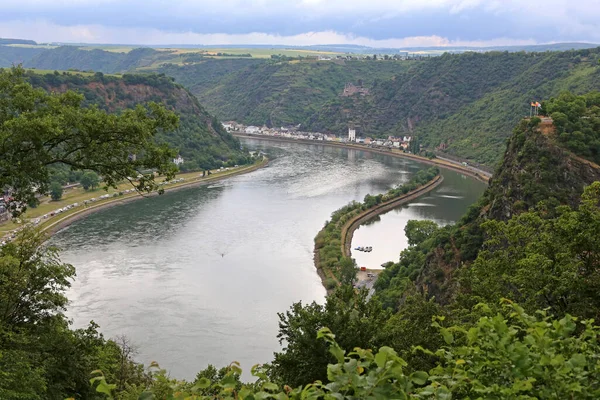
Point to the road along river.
(197, 276)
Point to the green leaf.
(146, 396)
(105, 388)
(270, 387)
(337, 352)
(380, 359)
(419, 377)
(203, 383)
(578, 360)
(447, 335)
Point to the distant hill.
(10, 55)
(17, 41)
(464, 104)
(200, 138)
(70, 57)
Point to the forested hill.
(71, 57)
(278, 93)
(200, 138)
(463, 104)
(10, 55)
(545, 167)
(466, 104)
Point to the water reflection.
(197, 276)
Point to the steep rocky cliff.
(534, 168)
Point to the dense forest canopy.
(577, 121)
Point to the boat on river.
(365, 249)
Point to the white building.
(178, 160)
(252, 129)
(228, 126)
(351, 135)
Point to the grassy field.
(210, 51)
(112, 49)
(31, 46)
(51, 71)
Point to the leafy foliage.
(40, 357)
(353, 318)
(56, 191)
(504, 356)
(577, 121)
(38, 130)
(543, 259)
(89, 180)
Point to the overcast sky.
(378, 23)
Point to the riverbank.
(66, 220)
(60, 221)
(352, 225)
(478, 174)
(333, 242)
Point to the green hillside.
(278, 93)
(466, 104)
(15, 55)
(463, 104)
(73, 58)
(200, 139)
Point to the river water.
(198, 276)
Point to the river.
(197, 276)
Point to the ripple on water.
(197, 276)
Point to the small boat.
(368, 249)
(357, 248)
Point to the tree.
(348, 270)
(38, 130)
(56, 191)
(355, 320)
(41, 133)
(89, 180)
(509, 355)
(543, 259)
(418, 231)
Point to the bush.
(330, 283)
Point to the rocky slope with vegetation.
(538, 174)
(200, 138)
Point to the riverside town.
(295, 132)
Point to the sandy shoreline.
(69, 219)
